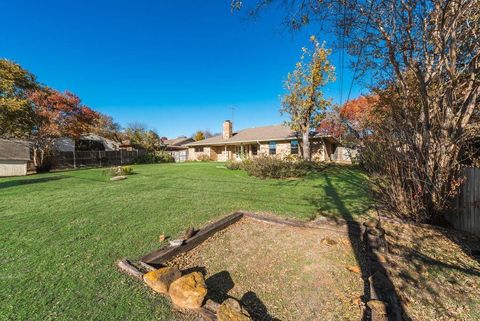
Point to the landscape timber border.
(372, 236)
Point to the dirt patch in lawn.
(281, 272)
(434, 274)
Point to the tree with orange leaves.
(57, 115)
(351, 121)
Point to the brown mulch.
(281, 272)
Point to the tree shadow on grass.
(28, 181)
(349, 195)
(378, 285)
(424, 265)
(469, 243)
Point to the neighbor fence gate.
(466, 216)
(78, 159)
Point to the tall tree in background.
(138, 134)
(424, 56)
(199, 135)
(304, 101)
(56, 115)
(106, 127)
(352, 121)
(16, 111)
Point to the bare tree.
(425, 55)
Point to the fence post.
(74, 160)
(121, 157)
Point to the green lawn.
(61, 233)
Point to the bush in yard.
(273, 167)
(155, 157)
(127, 170)
(203, 158)
(234, 165)
(164, 157)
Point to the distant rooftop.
(14, 150)
(181, 140)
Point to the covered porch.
(225, 153)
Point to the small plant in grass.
(127, 170)
(118, 171)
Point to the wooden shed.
(14, 156)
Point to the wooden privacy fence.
(63, 160)
(466, 216)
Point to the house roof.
(109, 142)
(182, 140)
(265, 133)
(14, 150)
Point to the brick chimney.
(227, 129)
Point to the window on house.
(238, 150)
(272, 148)
(294, 147)
(199, 149)
(254, 149)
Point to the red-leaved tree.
(351, 121)
(57, 115)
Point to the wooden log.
(274, 220)
(147, 267)
(344, 229)
(127, 267)
(164, 254)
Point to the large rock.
(189, 291)
(118, 178)
(231, 310)
(161, 279)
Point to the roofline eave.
(251, 141)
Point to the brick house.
(278, 140)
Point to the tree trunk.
(35, 162)
(306, 144)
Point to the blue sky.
(175, 66)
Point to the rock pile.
(189, 292)
(160, 280)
